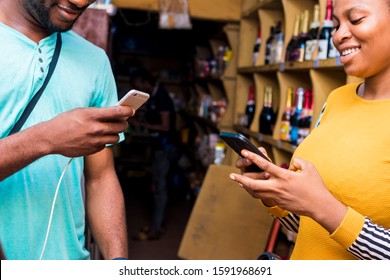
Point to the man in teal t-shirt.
(59, 128)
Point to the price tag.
(316, 63)
(338, 63)
(278, 144)
(282, 67)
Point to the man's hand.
(84, 131)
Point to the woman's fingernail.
(244, 153)
(232, 177)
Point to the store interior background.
(135, 40)
(170, 55)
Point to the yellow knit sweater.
(351, 151)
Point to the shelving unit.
(322, 76)
(223, 86)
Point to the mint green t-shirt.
(82, 78)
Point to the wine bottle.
(227, 56)
(305, 117)
(268, 45)
(256, 47)
(279, 48)
(285, 123)
(301, 45)
(277, 44)
(294, 121)
(266, 119)
(250, 106)
(312, 39)
(219, 60)
(292, 44)
(325, 40)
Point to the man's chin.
(61, 27)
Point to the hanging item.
(174, 14)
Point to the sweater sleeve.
(363, 238)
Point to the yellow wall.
(226, 10)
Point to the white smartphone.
(134, 98)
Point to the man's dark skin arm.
(75, 133)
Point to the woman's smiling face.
(362, 36)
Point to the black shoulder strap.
(30, 106)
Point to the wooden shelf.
(321, 76)
(332, 63)
(261, 4)
(258, 69)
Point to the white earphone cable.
(52, 208)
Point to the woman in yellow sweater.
(339, 200)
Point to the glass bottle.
(220, 64)
(292, 44)
(312, 37)
(250, 106)
(256, 47)
(277, 44)
(325, 39)
(268, 45)
(285, 123)
(306, 116)
(294, 122)
(301, 46)
(266, 119)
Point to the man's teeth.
(349, 51)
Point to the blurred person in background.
(160, 121)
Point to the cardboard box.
(226, 223)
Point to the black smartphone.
(238, 142)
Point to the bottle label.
(310, 47)
(268, 54)
(285, 131)
(255, 56)
(332, 50)
(301, 54)
(294, 135)
(322, 49)
(295, 54)
(302, 134)
(278, 52)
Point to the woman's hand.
(242, 164)
(299, 190)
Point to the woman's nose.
(341, 34)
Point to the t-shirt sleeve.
(106, 94)
(106, 91)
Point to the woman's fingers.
(264, 164)
(241, 163)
